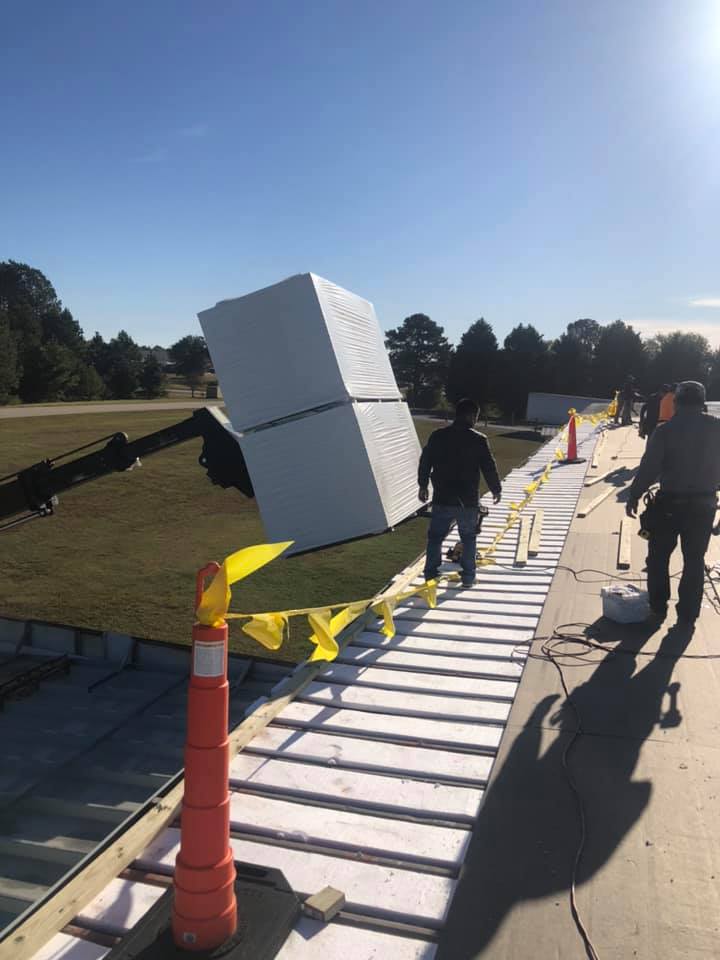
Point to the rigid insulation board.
(299, 344)
(335, 475)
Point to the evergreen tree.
(419, 355)
(191, 358)
(472, 366)
(9, 376)
(523, 366)
(619, 352)
(152, 377)
(680, 356)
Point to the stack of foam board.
(328, 440)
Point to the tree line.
(44, 355)
(588, 359)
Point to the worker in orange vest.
(667, 403)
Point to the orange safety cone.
(204, 912)
(572, 456)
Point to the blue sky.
(524, 161)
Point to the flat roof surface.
(425, 775)
(647, 767)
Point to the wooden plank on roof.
(521, 552)
(603, 476)
(596, 455)
(536, 534)
(589, 507)
(624, 558)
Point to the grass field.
(121, 553)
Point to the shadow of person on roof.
(525, 839)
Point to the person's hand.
(497, 497)
(631, 508)
(423, 494)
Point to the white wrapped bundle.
(336, 475)
(296, 345)
(329, 443)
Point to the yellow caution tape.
(215, 600)
(270, 629)
(267, 628)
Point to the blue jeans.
(440, 522)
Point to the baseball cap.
(690, 393)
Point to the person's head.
(665, 388)
(466, 411)
(690, 395)
(673, 387)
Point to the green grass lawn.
(121, 553)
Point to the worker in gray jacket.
(684, 456)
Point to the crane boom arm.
(32, 492)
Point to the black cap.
(690, 393)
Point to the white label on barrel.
(209, 659)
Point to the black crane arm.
(32, 492)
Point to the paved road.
(110, 406)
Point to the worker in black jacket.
(684, 456)
(452, 460)
(650, 411)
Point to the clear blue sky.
(525, 161)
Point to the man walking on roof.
(684, 456)
(452, 460)
(650, 412)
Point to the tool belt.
(659, 506)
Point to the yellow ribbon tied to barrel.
(270, 629)
(215, 601)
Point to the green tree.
(419, 355)
(680, 356)
(122, 365)
(89, 386)
(572, 357)
(152, 377)
(9, 376)
(59, 325)
(471, 368)
(40, 325)
(191, 358)
(96, 354)
(53, 374)
(122, 380)
(619, 352)
(523, 366)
